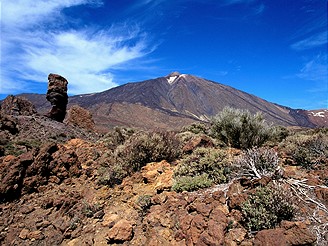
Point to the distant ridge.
(176, 100)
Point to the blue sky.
(276, 50)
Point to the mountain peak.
(172, 77)
(176, 73)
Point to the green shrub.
(89, 209)
(188, 183)
(112, 173)
(240, 129)
(30, 143)
(279, 133)
(196, 128)
(306, 150)
(19, 147)
(267, 207)
(144, 147)
(144, 202)
(116, 137)
(258, 162)
(203, 166)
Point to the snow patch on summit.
(171, 79)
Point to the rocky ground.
(51, 194)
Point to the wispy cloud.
(231, 2)
(313, 41)
(315, 70)
(259, 9)
(37, 41)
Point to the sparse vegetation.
(240, 129)
(117, 137)
(267, 207)
(196, 128)
(204, 167)
(306, 150)
(89, 209)
(17, 148)
(138, 150)
(143, 203)
(188, 183)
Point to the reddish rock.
(31, 170)
(236, 200)
(290, 233)
(80, 117)
(214, 234)
(297, 233)
(122, 231)
(13, 105)
(322, 194)
(8, 124)
(24, 233)
(57, 96)
(235, 236)
(36, 235)
(110, 220)
(271, 237)
(202, 141)
(12, 173)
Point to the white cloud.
(311, 42)
(24, 13)
(315, 69)
(35, 43)
(232, 2)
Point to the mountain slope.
(173, 101)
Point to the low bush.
(196, 128)
(19, 147)
(143, 203)
(116, 137)
(279, 133)
(144, 147)
(240, 129)
(204, 167)
(188, 183)
(306, 150)
(112, 173)
(267, 207)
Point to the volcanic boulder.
(57, 96)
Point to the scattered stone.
(297, 233)
(27, 209)
(57, 96)
(35, 235)
(24, 233)
(272, 237)
(80, 117)
(13, 105)
(32, 170)
(235, 236)
(8, 124)
(122, 231)
(11, 176)
(159, 174)
(202, 141)
(290, 233)
(322, 194)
